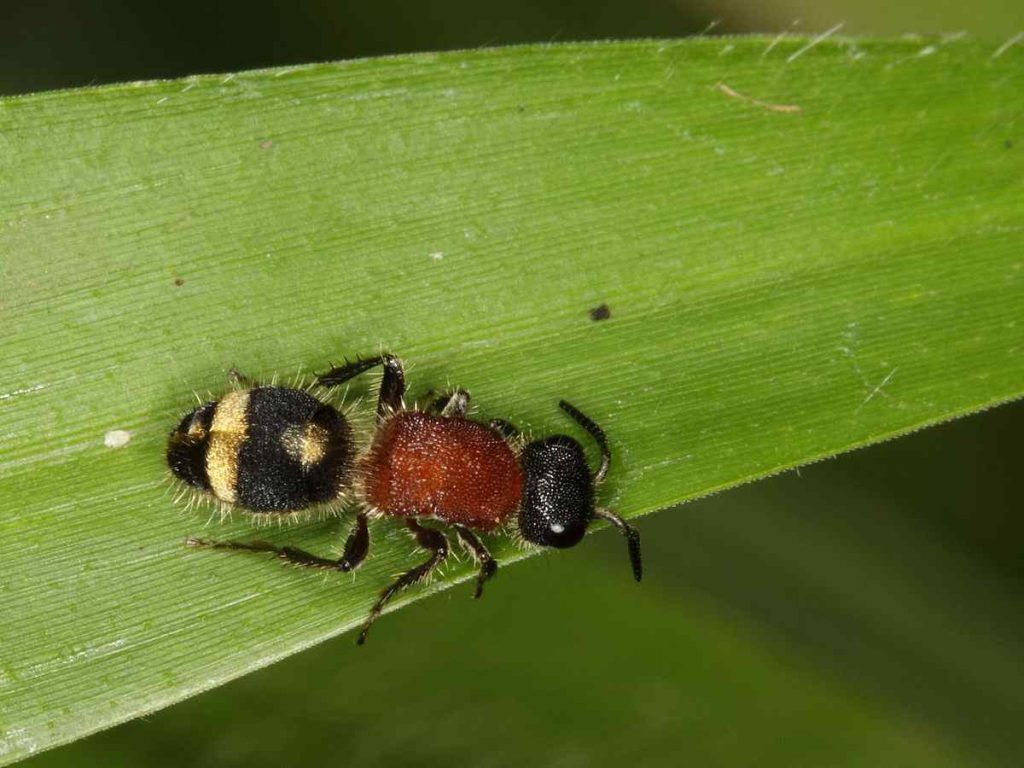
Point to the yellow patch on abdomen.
(227, 433)
(307, 445)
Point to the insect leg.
(428, 538)
(473, 545)
(291, 555)
(392, 385)
(357, 545)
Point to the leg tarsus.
(473, 545)
(430, 539)
(340, 374)
(356, 547)
(392, 385)
(292, 555)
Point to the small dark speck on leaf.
(1008, 144)
(601, 312)
(179, 281)
(521, 108)
(266, 144)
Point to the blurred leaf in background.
(52, 44)
(55, 44)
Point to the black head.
(558, 500)
(187, 444)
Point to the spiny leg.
(392, 385)
(356, 547)
(488, 565)
(289, 554)
(454, 403)
(428, 538)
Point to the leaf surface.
(803, 249)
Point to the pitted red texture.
(453, 469)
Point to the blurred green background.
(863, 611)
(62, 43)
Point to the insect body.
(469, 476)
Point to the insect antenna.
(595, 432)
(632, 540)
(631, 533)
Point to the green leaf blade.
(783, 285)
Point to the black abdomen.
(297, 451)
(267, 449)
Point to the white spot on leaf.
(117, 438)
